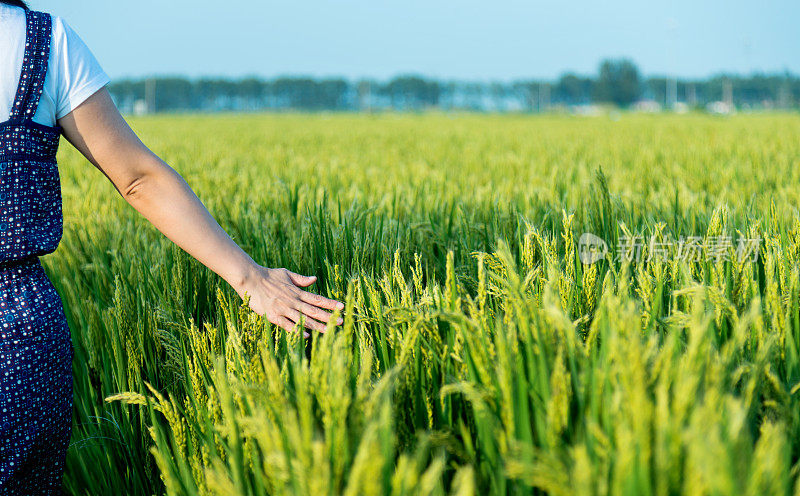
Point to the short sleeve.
(78, 73)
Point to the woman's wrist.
(242, 278)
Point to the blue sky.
(468, 39)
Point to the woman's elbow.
(135, 187)
(144, 179)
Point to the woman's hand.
(276, 294)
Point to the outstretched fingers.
(277, 295)
(320, 301)
(308, 322)
(287, 325)
(300, 280)
(316, 313)
(283, 323)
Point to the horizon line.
(300, 75)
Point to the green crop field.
(479, 353)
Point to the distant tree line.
(618, 82)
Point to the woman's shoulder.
(65, 40)
(10, 13)
(60, 26)
(75, 70)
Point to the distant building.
(720, 107)
(588, 109)
(647, 106)
(680, 108)
(139, 107)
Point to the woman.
(50, 84)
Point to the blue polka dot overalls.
(35, 348)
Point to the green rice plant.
(479, 354)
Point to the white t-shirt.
(73, 73)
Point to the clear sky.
(465, 39)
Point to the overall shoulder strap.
(34, 66)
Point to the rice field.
(482, 352)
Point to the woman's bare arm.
(161, 195)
